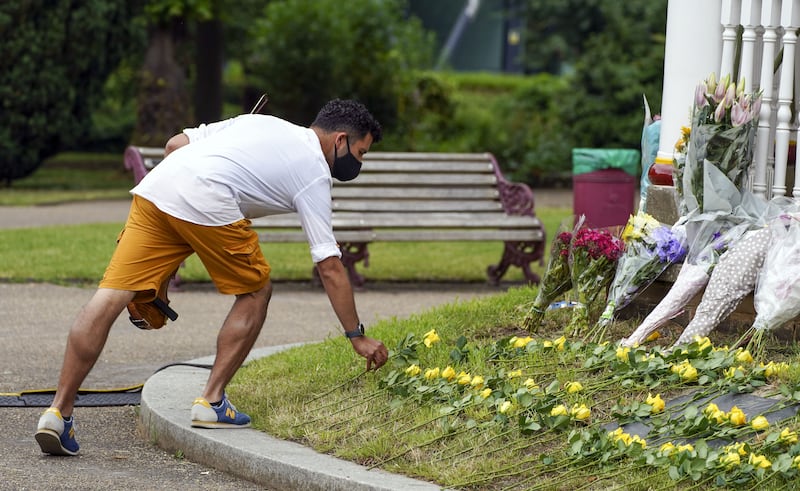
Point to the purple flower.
(669, 247)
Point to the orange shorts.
(153, 245)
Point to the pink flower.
(700, 96)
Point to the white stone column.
(693, 51)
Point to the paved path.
(34, 319)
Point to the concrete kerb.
(250, 454)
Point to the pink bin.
(604, 196)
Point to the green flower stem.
(759, 484)
(561, 465)
(628, 469)
(359, 403)
(368, 416)
(483, 445)
(336, 388)
(701, 483)
(655, 475)
(411, 448)
(433, 419)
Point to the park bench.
(415, 197)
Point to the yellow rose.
(796, 462)
(514, 374)
(486, 392)
(730, 460)
(622, 354)
(718, 416)
(711, 408)
(504, 407)
(637, 439)
(412, 371)
(477, 381)
(736, 416)
(731, 371)
(688, 372)
(743, 356)
(530, 384)
(431, 373)
(788, 436)
(740, 448)
(657, 403)
(431, 338)
(702, 342)
(573, 387)
(463, 378)
(521, 342)
(560, 410)
(448, 373)
(652, 337)
(580, 413)
(687, 447)
(759, 461)
(667, 448)
(559, 343)
(759, 423)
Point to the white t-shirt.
(249, 166)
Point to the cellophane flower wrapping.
(724, 124)
(556, 280)
(650, 248)
(777, 292)
(593, 260)
(733, 278)
(710, 240)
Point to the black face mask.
(346, 167)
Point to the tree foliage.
(55, 57)
(306, 52)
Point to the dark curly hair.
(349, 116)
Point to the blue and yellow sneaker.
(55, 435)
(205, 415)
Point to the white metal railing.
(763, 35)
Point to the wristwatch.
(356, 333)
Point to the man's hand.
(371, 349)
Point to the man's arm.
(340, 292)
(175, 143)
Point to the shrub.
(306, 52)
(56, 57)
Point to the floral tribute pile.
(557, 412)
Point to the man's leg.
(236, 338)
(85, 343)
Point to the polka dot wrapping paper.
(733, 278)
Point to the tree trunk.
(208, 62)
(163, 105)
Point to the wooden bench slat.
(460, 167)
(415, 205)
(427, 179)
(429, 156)
(409, 220)
(442, 193)
(344, 236)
